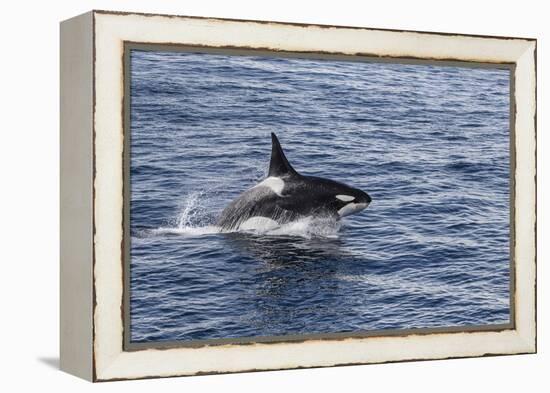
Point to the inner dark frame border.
(128, 46)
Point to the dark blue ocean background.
(429, 143)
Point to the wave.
(194, 220)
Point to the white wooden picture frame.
(92, 196)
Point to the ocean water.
(430, 144)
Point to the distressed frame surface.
(96, 349)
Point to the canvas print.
(278, 196)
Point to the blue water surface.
(429, 143)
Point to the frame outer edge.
(76, 196)
(526, 199)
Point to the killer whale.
(285, 196)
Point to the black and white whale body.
(285, 196)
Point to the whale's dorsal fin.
(279, 165)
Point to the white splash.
(191, 219)
(194, 220)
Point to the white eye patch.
(345, 198)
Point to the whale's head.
(334, 197)
(351, 201)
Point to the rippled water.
(428, 143)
